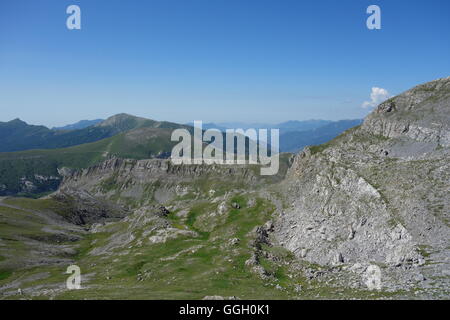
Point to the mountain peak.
(420, 113)
(122, 119)
(17, 121)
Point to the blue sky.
(214, 60)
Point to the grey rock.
(353, 204)
(234, 241)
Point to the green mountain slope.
(79, 125)
(17, 135)
(36, 171)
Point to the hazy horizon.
(217, 122)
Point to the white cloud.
(377, 96)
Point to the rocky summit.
(363, 216)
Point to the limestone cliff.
(136, 183)
(378, 194)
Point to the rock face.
(378, 193)
(142, 182)
(420, 114)
(83, 209)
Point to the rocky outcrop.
(378, 194)
(81, 208)
(143, 182)
(420, 114)
(340, 217)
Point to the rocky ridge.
(378, 194)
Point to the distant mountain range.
(79, 125)
(294, 135)
(31, 156)
(17, 135)
(33, 172)
(295, 141)
(288, 126)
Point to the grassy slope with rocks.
(202, 247)
(213, 237)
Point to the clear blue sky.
(213, 60)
